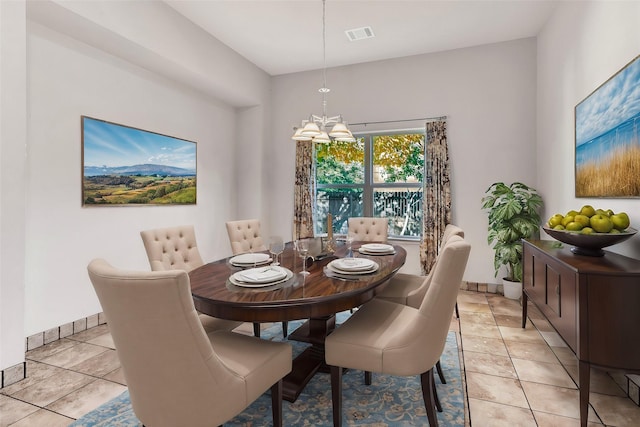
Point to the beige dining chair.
(175, 248)
(176, 373)
(409, 289)
(397, 339)
(244, 237)
(368, 229)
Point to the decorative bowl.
(589, 244)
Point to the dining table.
(315, 296)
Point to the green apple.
(614, 231)
(574, 226)
(587, 230)
(555, 220)
(620, 221)
(609, 212)
(588, 211)
(567, 219)
(582, 219)
(559, 227)
(601, 223)
(572, 213)
(602, 212)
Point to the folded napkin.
(262, 275)
(353, 264)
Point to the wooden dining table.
(317, 296)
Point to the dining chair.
(176, 373)
(368, 229)
(244, 237)
(175, 248)
(396, 339)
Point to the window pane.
(340, 162)
(403, 208)
(342, 203)
(398, 158)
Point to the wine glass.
(349, 240)
(302, 246)
(276, 247)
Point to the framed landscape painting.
(125, 166)
(607, 125)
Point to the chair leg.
(336, 395)
(440, 373)
(426, 380)
(276, 403)
(256, 329)
(285, 329)
(457, 313)
(435, 397)
(367, 377)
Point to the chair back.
(172, 371)
(414, 299)
(439, 301)
(244, 236)
(172, 248)
(368, 229)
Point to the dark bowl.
(589, 244)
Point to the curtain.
(303, 191)
(436, 204)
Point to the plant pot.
(512, 290)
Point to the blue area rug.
(388, 402)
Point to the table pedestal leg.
(310, 361)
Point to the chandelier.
(315, 128)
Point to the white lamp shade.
(297, 136)
(339, 129)
(323, 137)
(310, 129)
(349, 138)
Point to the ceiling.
(284, 37)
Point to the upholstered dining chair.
(397, 339)
(177, 374)
(409, 289)
(175, 248)
(368, 229)
(244, 236)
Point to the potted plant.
(513, 216)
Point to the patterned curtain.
(303, 191)
(436, 206)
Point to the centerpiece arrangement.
(589, 229)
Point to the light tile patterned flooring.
(513, 377)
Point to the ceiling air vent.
(360, 33)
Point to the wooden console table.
(592, 302)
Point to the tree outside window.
(378, 175)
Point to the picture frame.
(607, 137)
(127, 166)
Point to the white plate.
(333, 269)
(377, 247)
(352, 264)
(268, 274)
(235, 281)
(250, 259)
(366, 252)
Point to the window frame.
(369, 187)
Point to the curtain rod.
(397, 121)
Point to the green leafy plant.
(513, 216)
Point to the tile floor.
(513, 377)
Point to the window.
(378, 175)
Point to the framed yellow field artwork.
(607, 134)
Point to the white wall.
(487, 92)
(583, 45)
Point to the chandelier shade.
(322, 128)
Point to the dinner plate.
(238, 280)
(366, 252)
(377, 247)
(245, 260)
(353, 264)
(333, 269)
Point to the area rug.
(388, 402)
